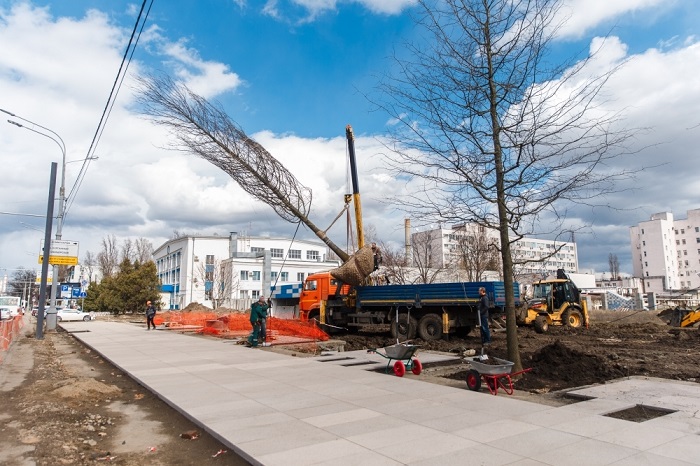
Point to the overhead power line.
(116, 86)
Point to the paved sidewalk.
(274, 409)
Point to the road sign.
(75, 293)
(62, 252)
(83, 294)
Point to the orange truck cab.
(317, 287)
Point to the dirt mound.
(81, 388)
(196, 307)
(557, 366)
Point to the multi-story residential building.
(215, 270)
(535, 258)
(666, 252)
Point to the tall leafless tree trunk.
(108, 257)
(206, 130)
(144, 250)
(491, 132)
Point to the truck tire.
(572, 317)
(430, 327)
(541, 325)
(405, 328)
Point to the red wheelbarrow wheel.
(473, 380)
(416, 367)
(399, 369)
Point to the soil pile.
(557, 366)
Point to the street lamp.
(61, 198)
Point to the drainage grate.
(639, 413)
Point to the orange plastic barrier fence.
(222, 324)
(9, 329)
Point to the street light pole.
(50, 325)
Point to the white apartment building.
(537, 257)
(192, 268)
(666, 252)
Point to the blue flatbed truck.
(430, 311)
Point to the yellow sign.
(60, 260)
(49, 279)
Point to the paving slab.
(277, 409)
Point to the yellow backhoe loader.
(555, 302)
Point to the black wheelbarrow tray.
(498, 375)
(403, 354)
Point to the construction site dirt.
(61, 403)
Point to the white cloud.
(584, 15)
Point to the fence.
(9, 329)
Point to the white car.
(5, 313)
(72, 314)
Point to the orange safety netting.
(9, 329)
(211, 323)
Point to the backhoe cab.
(555, 302)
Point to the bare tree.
(144, 250)
(476, 252)
(218, 280)
(614, 265)
(205, 130)
(89, 264)
(128, 250)
(427, 261)
(108, 257)
(497, 134)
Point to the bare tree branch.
(205, 130)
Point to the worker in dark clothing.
(377, 254)
(150, 315)
(484, 317)
(258, 312)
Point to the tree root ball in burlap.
(357, 268)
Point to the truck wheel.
(405, 328)
(541, 325)
(430, 327)
(473, 380)
(572, 318)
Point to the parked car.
(72, 314)
(5, 313)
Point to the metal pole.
(51, 323)
(46, 252)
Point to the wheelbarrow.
(400, 352)
(496, 376)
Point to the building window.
(295, 253)
(645, 253)
(646, 264)
(277, 252)
(255, 276)
(642, 230)
(678, 242)
(256, 294)
(313, 255)
(644, 243)
(257, 250)
(210, 259)
(244, 275)
(685, 253)
(682, 231)
(683, 241)
(243, 294)
(697, 229)
(300, 276)
(273, 276)
(284, 276)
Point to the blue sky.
(293, 74)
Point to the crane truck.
(431, 311)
